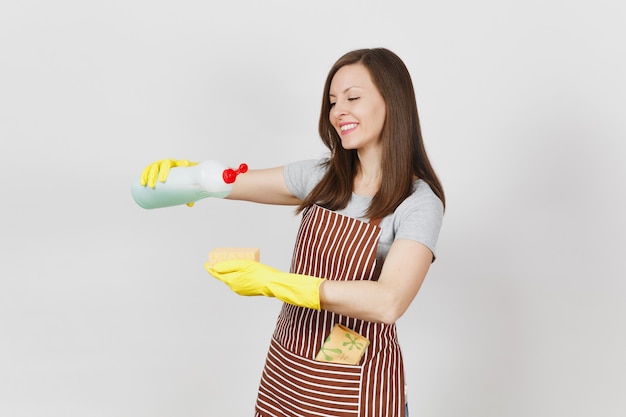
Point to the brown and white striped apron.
(293, 384)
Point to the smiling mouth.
(348, 127)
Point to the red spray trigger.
(229, 175)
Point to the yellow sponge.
(225, 254)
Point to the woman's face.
(357, 109)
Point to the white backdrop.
(105, 308)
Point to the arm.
(387, 299)
(263, 186)
(383, 301)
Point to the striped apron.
(293, 384)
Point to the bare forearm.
(263, 186)
(386, 299)
(365, 300)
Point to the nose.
(338, 110)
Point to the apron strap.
(375, 221)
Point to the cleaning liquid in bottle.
(188, 184)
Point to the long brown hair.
(403, 157)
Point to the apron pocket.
(296, 386)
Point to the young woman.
(371, 215)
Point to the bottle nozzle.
(229, 175)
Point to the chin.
(348, 146)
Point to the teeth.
(348, 127)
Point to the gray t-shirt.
(419, 217)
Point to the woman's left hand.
(251, 278)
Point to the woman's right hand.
(159, 170)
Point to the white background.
(105, 308)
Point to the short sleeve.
(420, 217)
(302, 176)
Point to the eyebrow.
(344, 91)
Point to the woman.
(371, 215)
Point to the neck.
(369, 175)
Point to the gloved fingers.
(180, 163)
(145, 175)
(243, 276)
(184, 163)
(150, 174)
(234, 278)
(160, 170)
(210, 270)
(164, 169)
(244, 266)
(232, 265)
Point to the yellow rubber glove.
(159, 170)
(250, 278)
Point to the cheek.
(382, 117)
(379, 119)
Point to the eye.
(353, 98)
(331, 104)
